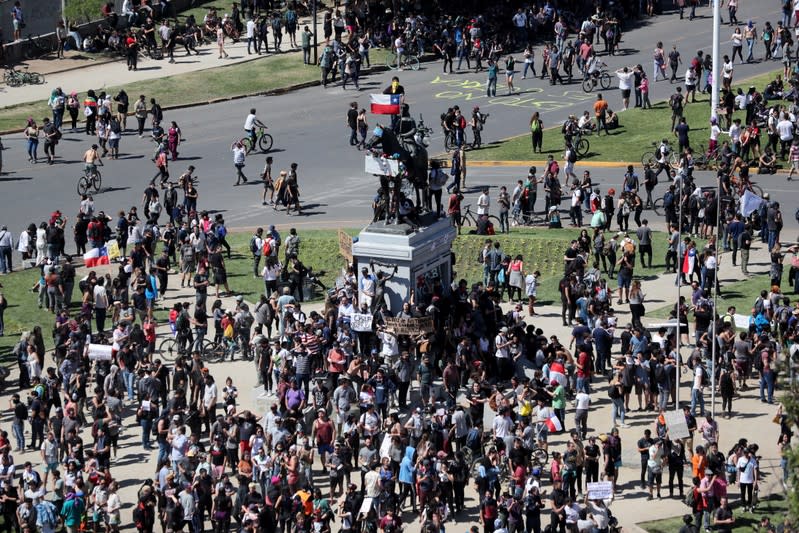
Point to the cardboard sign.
(99, 352)
(409, 326)
(381, 166)
(366, 506)
(385, 446)
(345, 245)
(361, 322)
(600, 490)
(675, 421)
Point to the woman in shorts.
(625, 276)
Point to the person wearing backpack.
(256, 243)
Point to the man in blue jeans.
(697, 395)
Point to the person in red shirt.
(132, 49)
(584, 365)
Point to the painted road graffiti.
(534, 98)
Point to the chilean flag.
(385, 104)
(96, 256)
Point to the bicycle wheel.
(604, 80)
(495, 221)
(540, 456)
(649, 159)
(208, 345)
(9, 77)
(391, 61)
(265, 142)
(582, 147)
(412, 63)
(657, 207)
(588, 85)
(246, 142)
(168, 349)
(757, 189)
(215, 353)
(674, 160)
(466, 220)
(83, 185)
(36, 78)
(97, 181)
(448, 144)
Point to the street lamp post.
(315, 60)
(714, 351)
(714, 95)
(679, 287)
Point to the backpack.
(572, 155)
(267, 249)
(660, 373)
(668, 200)
(675, 102)
(158, 114)
(783, 314)
(690, 500)
(480, 257)
(291, 17)
(253, 245)
(758, 305)
(473, 438)
(613, 392)
(705, 377)
(115, 126)
(563, 128)
(182, 322)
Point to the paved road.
(309, 128)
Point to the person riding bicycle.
(593, 66)
(90, 159)
(250, 123)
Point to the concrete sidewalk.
(99, 76)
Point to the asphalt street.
(309, 128)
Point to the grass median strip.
(638, 129)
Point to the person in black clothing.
(676, 462)
(352, 123)
(558, 502)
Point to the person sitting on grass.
(585, 122)
(612, 119)
(767, 164)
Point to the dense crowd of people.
(484, 398)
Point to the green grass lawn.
(638, 129)
(774, 507)
(542, 249)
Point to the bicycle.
(468, 218)
(406, 61)
(650, 157)
(15, 78)
(91, 180)
(41, 46)
(518, 218)
(580, 144)
(602, 78)
(707, 160)
(262, 139)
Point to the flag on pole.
(96, 256)
(113, 249)
(385, 104)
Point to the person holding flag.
(398, 90)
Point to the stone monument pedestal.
(422, 257)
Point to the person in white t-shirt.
(582, 401)
(483, 203)
(625, 76)
(697, 395)
(747, 477)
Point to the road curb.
(601, 164)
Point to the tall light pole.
(679, 287)
(714, 351)
(315, 60)
(714, 95)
